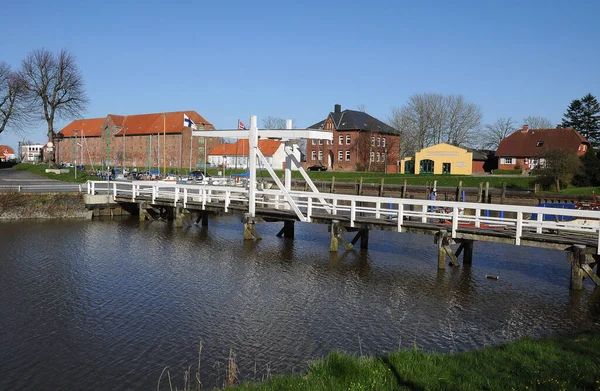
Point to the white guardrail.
(454, 214)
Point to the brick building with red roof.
(141, 140)
(525, 147)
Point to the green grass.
(512, 183)
(560, 363)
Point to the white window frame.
(314, 142)
(383, 142)
(379, 141)
(507, 160)
(320, 156)
(378, 157)
(383, 156)
(348, 139)
(372, 141)
(372, 156)
(314, 155)
(320, 141)
(340, 156)
(341, 140)
(347, 156)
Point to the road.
(23, 181)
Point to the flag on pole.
(241, 125)
(187, 122)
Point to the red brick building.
(525, 147)
(141, 141)
(360, 142)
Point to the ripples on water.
(109, 304)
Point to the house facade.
(142, 140)
(6, 153)
(525, 148)
(360, 142)
(439, 159)
(32, 153)
(235, 155)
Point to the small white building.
(31, 153)
(235, 155)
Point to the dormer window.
(539, 144)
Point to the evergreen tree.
(584, 116)
(589, 172)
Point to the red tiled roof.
(171, 122)
(535, 142)
(267, 147)
(89, 127)
(6, 150)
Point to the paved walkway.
(19, 180)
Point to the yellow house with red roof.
(141, 140)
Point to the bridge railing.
(514, 218)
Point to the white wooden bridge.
(450, 222)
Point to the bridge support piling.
(202, 216)
(577, 258)
(363, 236)
(249, 230)
(178, 212)
(443, 241)
(288, 229)
(335, 236)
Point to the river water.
(108, 304)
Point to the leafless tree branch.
(55, 85)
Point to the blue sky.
(229, 60)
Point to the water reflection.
(108, 304)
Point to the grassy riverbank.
(513, 182)
(15, 205)
(560, 363)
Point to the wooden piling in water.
(404, 190)
(381, 187)
(332, 189)
(459, 191)
(577, 258)
(249, 230)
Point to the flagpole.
(236, 147)
(165, 144)
(191, 140)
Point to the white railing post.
(519, 228)
(400, 216)
(204, 198)
(377, 209)
(176, 196)
(424, 211)
(309, 207)
(185, 196)
(540, 221)
(454, 220)
(227, 200)
(154, 192)
(334, 202)
(477, 215)
(114, 189)
(352, 212)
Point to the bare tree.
(13, 112)
(535, 122)
(274, 123)
(361, 107)
(462, 120)
(496, 132)
(56, 87)
(429, 119)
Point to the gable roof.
(138, 124)
(356, 120)
(6, 150)
(535, 142)
(268, 147)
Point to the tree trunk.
(557, 185)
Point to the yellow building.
(439, 159)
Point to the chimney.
(337, 108)
(525, 128)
